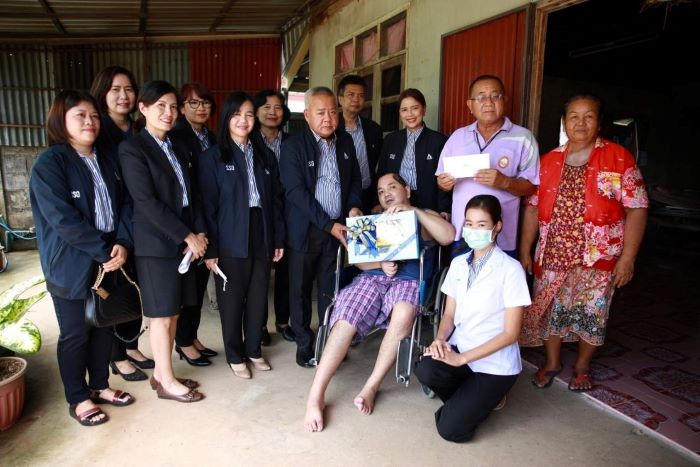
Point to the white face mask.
(477, 239)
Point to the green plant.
(17, 333)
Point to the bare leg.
(162, 337)
(583, 362)
(553, 348)
(337, 346)
(402, 317)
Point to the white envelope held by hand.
(185, 263)
(467, 165)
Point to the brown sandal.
(119, 398)
(190, 383)
(192, 396)
(87, 417)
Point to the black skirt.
(163, 289)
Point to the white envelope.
(467, 165)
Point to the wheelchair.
(411, 347)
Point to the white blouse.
(480, 311)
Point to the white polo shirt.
(480, 311)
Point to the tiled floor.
(649, 367)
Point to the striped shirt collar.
(165, 145)
(248, 146)
(319, 137)
(415, 133)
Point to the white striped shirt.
(203, 138)
(104, 217)
(167, 148)
(475, 266)
(328, 178)
(408, 163)
(275, 145)
(358, 138)
(253, 194)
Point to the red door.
(494, 48)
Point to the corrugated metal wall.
(248, 65)
(30, 75)
(494, 48)
(26, 89)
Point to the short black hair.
(56, 121)
(260, 99)
(486, 78)
(351, 79)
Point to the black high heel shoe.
(147, 364)
(137, 375)
(201, 361)
(207, 352)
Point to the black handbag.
(114, 299)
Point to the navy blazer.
(428, 148)
(299, 160)
(183, 134)
(62, 196)
(111, 136)
(224, 189)
(160, 222)
(373, 136)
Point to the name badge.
(230, 168)
(311, 163)
(429, 158)
(267, 172)
(392, 156)
(346, 155)
(75, 194)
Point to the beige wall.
(427, 21)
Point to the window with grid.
(378, 54)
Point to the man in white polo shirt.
(513, 155)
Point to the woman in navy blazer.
(167, 221)
(242, 199)
(196, 106)
(82, 218)
(271, 115)
(115, 89)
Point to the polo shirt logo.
(75, 194)
(392, 156)
(429, 158)
(311, 163)
(230, 167)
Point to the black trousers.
(81, 348)
(469, 397)
(317, 263)
(282, 290)
(243, 305)
(190, 316)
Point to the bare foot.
(136, 355)
(313, 420)
(176, 388)
(365, 400)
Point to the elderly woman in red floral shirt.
(590, 210)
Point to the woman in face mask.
(475, 359)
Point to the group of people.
(139, 194)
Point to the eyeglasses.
(482, 98)
(194, 104)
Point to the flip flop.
(85, 418)
(584, 376)
(541, 374)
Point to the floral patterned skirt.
(572, 304)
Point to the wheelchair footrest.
(404, 361)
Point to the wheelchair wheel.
(427, 391)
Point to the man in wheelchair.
(383, 293)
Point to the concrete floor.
(260, 421)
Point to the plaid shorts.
(367, 302)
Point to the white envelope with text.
(467, 165)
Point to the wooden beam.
(220, 17)
(143, 16)
(297, 58)
(49, 11)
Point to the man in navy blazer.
(323, 185)
(366, 134)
